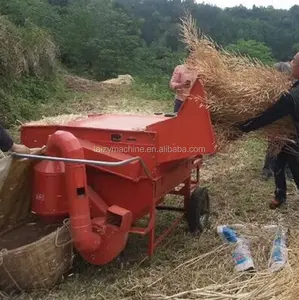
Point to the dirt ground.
(183, 262)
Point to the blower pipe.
(66, 144)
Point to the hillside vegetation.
(47, 46)
(100, 39)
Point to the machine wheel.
(198, 210)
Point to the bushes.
(28, 70)
(25, 50)
(21, 99)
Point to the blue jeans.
(177, 105)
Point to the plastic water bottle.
(279, 253)
(241, 255)
(228, 234)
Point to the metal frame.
(185, 191)
(86, 161)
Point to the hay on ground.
(237, 87)
(84, 85)
(58, 120)
(217, 266)
(79, 84)
(120, 80)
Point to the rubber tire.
(198, 204)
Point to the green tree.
(96, 38)
(296, 47)
(252, 49)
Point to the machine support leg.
(152, 233)
(188, 185)
(196, 182)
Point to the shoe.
(275, 204)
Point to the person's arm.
(282, 108)
(6, 142)
(175, 81)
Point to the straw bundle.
(237, 87)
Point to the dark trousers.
(177, 105)
(270, 163)
(288, 155)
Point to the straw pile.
(84, 85)
(237, 87)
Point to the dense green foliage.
(103, 38)
(252, 49)
(28, 70)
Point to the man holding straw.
(287, 105)
(268, 169)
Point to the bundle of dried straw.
(237, 87)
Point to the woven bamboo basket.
(33, 255)
(40, 264)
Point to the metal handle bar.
(86, 161)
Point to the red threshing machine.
(108, 171)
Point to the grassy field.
(183, 262)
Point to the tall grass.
(26, 50)
(28, 70)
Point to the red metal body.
(104, 202)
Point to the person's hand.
(184, 85)
(242, 127)
(38, 151)
(187, 84)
